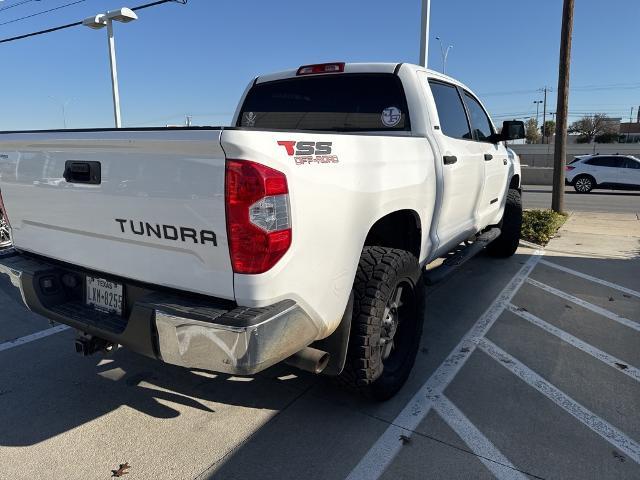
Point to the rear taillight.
(258, 216)
(568, 168)
(3, 212)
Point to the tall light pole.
(424, 32)
(124, 15)
(445, 54)
(537, 102)
(63, 106)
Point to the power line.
(75, 24)
(17, 4)
(584, 88)
(42, 12)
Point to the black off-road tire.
(584, 183)
(510, 226)
(382, 273)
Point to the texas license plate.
(104, 295)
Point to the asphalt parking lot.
(527, 369)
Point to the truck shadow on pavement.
(46, 389)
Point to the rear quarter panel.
(333, 207)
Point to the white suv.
(587, 172)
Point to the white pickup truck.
(300, 234)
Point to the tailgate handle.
(83, 172)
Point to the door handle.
(449, 159)
(487, 157)
(82, 172)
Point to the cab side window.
(453, 118)
(480, 122)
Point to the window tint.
(615, 162)
(479, 120)
(343, 102)
(453, 119)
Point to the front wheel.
(507, 243)
(386, 324)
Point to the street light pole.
(114, 75)
(537, 102)
(63, 106)
(124, 15)
(424, 32)
(445, 54)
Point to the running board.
(460, 257)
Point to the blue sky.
(197, 59)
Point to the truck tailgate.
(157, 214)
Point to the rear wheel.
(386, 324)
(584, 184)
(510, 225)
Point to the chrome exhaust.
(309, 359)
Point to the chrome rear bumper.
(193, 332)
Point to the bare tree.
(591, 126)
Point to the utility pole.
(560, 150)
(630, 120)
(544, 115)
(424, 32)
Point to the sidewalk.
(600, 236)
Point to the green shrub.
(539, 226)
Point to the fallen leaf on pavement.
(121, 471)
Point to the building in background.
(630, 132)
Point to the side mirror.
(512, 130)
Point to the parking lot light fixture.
(123, 15)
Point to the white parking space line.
(610, 360)
(615, 286)
(607, 431)
(382, 453)
(500, 467)
(589, 306)
(33, 337)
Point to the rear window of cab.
(333, 102)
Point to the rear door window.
(453, 118)
(631, 163)
(342, 102)
(480, 122)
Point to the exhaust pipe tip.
(310, 360)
